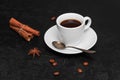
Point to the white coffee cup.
(72, 36)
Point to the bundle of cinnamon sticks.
(23, 30)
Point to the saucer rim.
(59, 51)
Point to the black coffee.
(70, 23)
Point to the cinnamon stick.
(27, 36)
(27, 28)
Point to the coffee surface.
(70, 23)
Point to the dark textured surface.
(15, 64)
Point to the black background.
(15, 64)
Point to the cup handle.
(89, 21)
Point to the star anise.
(34, 51)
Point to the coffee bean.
(53, 18)
(85, 63)
(56, 73)
(79, 70)
(55, 64)
(52, 60)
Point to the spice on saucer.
(34, 51)
(85, 63)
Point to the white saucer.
(89, 39)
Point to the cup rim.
(67, 27)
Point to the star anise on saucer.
(34, 51)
